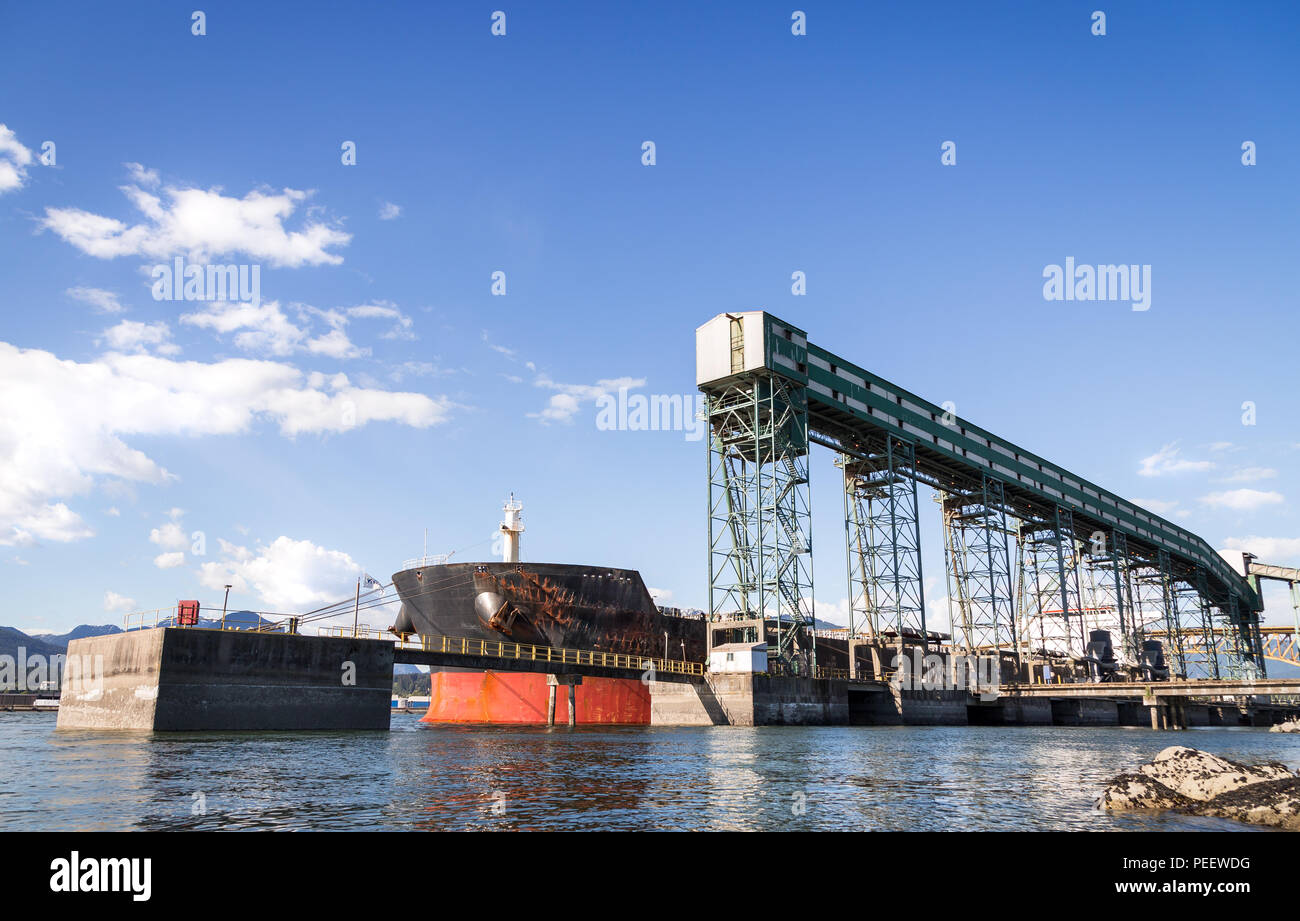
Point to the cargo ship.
(546, 604)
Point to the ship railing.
(500, 649)
(419, 562)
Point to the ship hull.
(545, 604)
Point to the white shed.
(738, 657)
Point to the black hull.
(547, 604)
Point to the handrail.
(500, 649)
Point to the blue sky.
(133, 423)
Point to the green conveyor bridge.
(1036, 556)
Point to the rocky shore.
(1288, 726)
(1194, 782)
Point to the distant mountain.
(76, 633)
(235, 620)
(11, 639)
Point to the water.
(422, 777)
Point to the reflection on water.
(420, 777)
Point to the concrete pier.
(179, 679)
(750, 700)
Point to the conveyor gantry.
(771, 394)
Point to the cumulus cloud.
(1159, 506)
(385, 310)
(568, 399)
(1279, 550)
(267, 328)
(141, 176)
(115, 602)
(170, 535)
(103, 301)
(133, 336)
(262, 328)
(1166, 461)
(1242, 500)
(169, 560)
(202, 224)
(14, 160)
(66, 424)
(389, 211)
(1250, 475)
(289, 576)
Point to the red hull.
(520, 697)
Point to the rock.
(1288, 726)
(1202, 776)
(1275, 803)
(1193, 782)
(1137, 792)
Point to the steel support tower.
(883, 537)
(1051, 564)
(760, 548)
(979, 568)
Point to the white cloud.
(169, 560)
(64, 423)
(266, 328)
(112, 512)
(103, 301)
(142, 176)
(171, 535)
(1278, 550)
(202, 224)
(115, 602)
(389, 211)
(1250, 475)
(1242, 500)
(287, 575)
(133, 336)
(14, 160)
(569, 398)
(335, 344)
(1159, 506)
(1166, 461)
(385, 310)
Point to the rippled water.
(422, 777)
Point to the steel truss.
(979, 568)
(1110, 602)
(883, 531)
(760, 548)
(1050, 559)
(1156, 608)
(1197, 613)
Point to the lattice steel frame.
(979, 567)
(883, 529)
(1153, 581)
(760, 547)
(1051, 564)
(1207, 656)
(1113, 591)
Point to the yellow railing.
(499, 649)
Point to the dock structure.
(1036, 556)
(1043, 566)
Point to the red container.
(187, 613)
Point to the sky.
(380, 164)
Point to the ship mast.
(511, 528)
